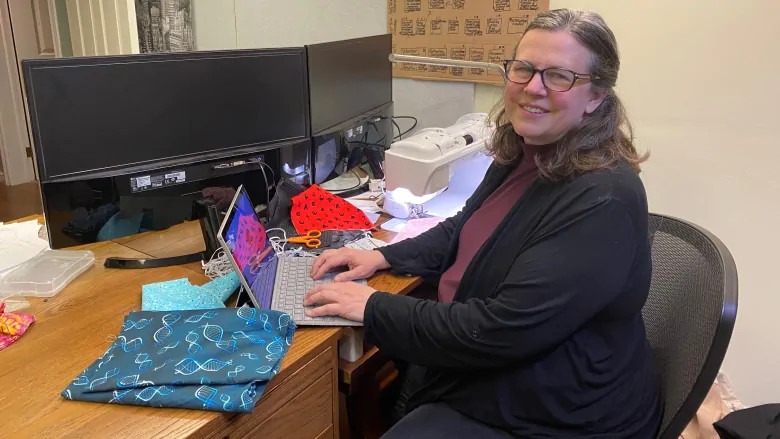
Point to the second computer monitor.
(348, 78)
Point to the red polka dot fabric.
(317, 209)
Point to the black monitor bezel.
(29, 66)
(319, 100)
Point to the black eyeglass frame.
(534, 71)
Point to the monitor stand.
(209, 218)
(153, 262)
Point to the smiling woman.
(560, 89)
(537, 331)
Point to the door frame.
(14, 137)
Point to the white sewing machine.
(437, 169)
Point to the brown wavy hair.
(604, 136)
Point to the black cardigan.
(545, 336)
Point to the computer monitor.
(127, 143)
(351, 104)
(105, 116)
(348, 78)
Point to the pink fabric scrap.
(416, 227)
(12, 326)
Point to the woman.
(542, 277)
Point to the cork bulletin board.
(476, 30)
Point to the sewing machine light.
(421, 166)
(401, 203)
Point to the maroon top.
(484, 221)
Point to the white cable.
(298, 253)
(276, 242)
(218, 265)
(279, 244)
(270, 169)
(263, 165)
(267, 187)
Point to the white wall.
(433, 103)
(274, 23)
(214, 24)
(701, 87)
(244, 24)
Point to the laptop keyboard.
(292, 283)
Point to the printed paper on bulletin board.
(476, 30)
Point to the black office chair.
(689, 314)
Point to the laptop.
(272, 282)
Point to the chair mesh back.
(684, 306)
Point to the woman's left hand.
(343, 299)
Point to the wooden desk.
(73, 328)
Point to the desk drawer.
(277, 394)
(301, 406)
(307, 415)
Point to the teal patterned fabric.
(179, 294)
(218, 359)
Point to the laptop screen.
(250, 248)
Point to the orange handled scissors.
(310, 240)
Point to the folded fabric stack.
(218, 359)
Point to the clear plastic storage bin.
(14, 303)
(46, 273)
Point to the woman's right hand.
(361, 263)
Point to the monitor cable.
(401, 134)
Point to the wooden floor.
(19, 201)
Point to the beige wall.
(249, 24)
(274, 23)
(243, 24)
(214, 24)
(701, 87)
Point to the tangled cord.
(218, 265)
(279, 245)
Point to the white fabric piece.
(464, 182)
(394, 225)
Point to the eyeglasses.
(555, 79)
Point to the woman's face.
(537, 114)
